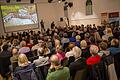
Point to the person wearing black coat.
(78, 65)
(5, 61)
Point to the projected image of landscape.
(17, 15)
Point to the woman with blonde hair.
(108, 34)
(83, 44)
(25, 69)
(97, 37)
(77, 43)
(85, 49)
(23, 60)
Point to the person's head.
(1, 42)
(83, 44)
(104, 38)
(77, 52)
(71, 45)
(94, 49)
(109, 31)
(55, 61)
(92, 39)
(23, 60)
(87, 35)
(103, 45)
(61, 19)
(57, 42)
(78, 37)
(65, 35)
(5, 47)
(58, 48)
(14, 51)
(22, 43)
(115, 43)
(35, 41)
(97, 37)
(67, 49)
(15, 42)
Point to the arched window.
(89, 10)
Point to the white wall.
(52, 12)
(77, 12)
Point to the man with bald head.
(15, 55)
(56, 71)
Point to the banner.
(104, 19)
(114, 18)
(110, 19)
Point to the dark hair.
(103, 45)
(115, 43)
(67, 49)
(92, 39)
(35, 41)
(61, 19)
(5, 47)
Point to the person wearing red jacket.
(95, 58)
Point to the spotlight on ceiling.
(8, 1)
(70, 4)
(59, 1)
(66, 3)
(49, 1)
(63, 0)
(18, 0)
(31, 1)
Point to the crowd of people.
(62, 53)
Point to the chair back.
(41, 72)
(26, 75)
(80, 75)
(14, 65)
(117, 64)
(34, 53)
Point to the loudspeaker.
(70, 4)
(8, 1)
(49, 1)
(63, 0)
(18, 0)
(31, 1)
(66, 3)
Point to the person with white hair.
(95, 58)
(24, 49)
(78, 64)
(15, 54)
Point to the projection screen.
(19, 17)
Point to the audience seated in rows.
(71, 53)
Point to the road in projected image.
(15, 15)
